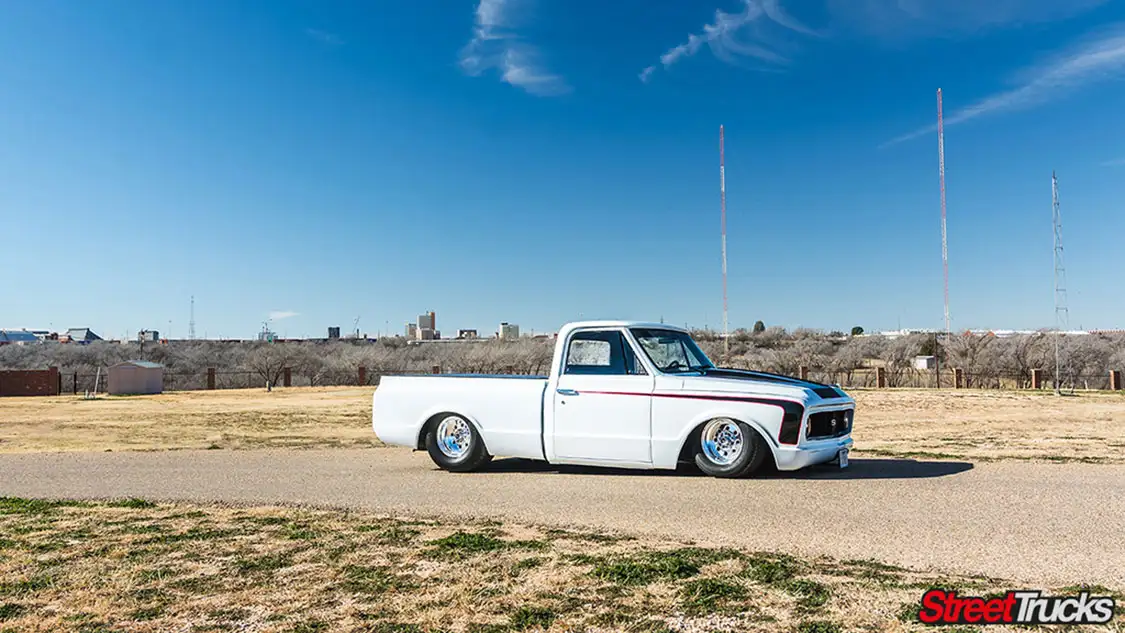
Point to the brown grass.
(966, 424)
(991, 425)
(136, 566)
(235, 418)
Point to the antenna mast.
(723, 204)
(191, 322)
(1062, 315)
(941, 176)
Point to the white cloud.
(728, 36)
(1119, 162)
(495, 47)
(278, 315)
(1098, 59)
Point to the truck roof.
(645, 324)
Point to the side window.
(601, 353)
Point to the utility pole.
(1062, 314)
(941, 177)
(723, 212)
(191, 322)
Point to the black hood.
(820, 389)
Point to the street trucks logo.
(1015, 607)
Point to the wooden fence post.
(362, 375)
(210, 377)
(75, 390)
(1036, 378)
(287, 377)
(958, 378)
(881, 377)
(804, 371)
(436, 369)
(1115, 380)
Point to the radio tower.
(723, 206)
(1062, 315)
(191, 322)
(941, 176)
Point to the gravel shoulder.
(1050, 524)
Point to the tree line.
(986, 360)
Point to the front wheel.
(455, 445)
(729, 448)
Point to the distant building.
(427, 321)
(334, 332)
(81, 335)
(17, 337)
(425, 334)
(411, 331)
(508, 332)
(148, 336)
(267, 336)
(466, 334)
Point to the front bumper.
(810, 453)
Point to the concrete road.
(1042, 524)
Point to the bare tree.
(969, 352)
(269, 360)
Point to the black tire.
(474, 457)
(753, 453)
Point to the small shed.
(135, 377)
(925, 362)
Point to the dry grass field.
(978, 425)
(135, 566)
(990, 425)
(232, 418)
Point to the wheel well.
(691, 444)
(426, 426)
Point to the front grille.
(828, 424)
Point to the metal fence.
(922, 379)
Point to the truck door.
(603, 401)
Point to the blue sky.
(535, 161)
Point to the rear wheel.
(729, 448)
(455, 445)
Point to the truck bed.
(506, 410)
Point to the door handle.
(567, 392)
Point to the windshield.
(672, 351)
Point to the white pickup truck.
(621, 394)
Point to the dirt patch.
(137, 566)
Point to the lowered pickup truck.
(620, 394)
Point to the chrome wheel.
(722, 441)
(454, 437)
